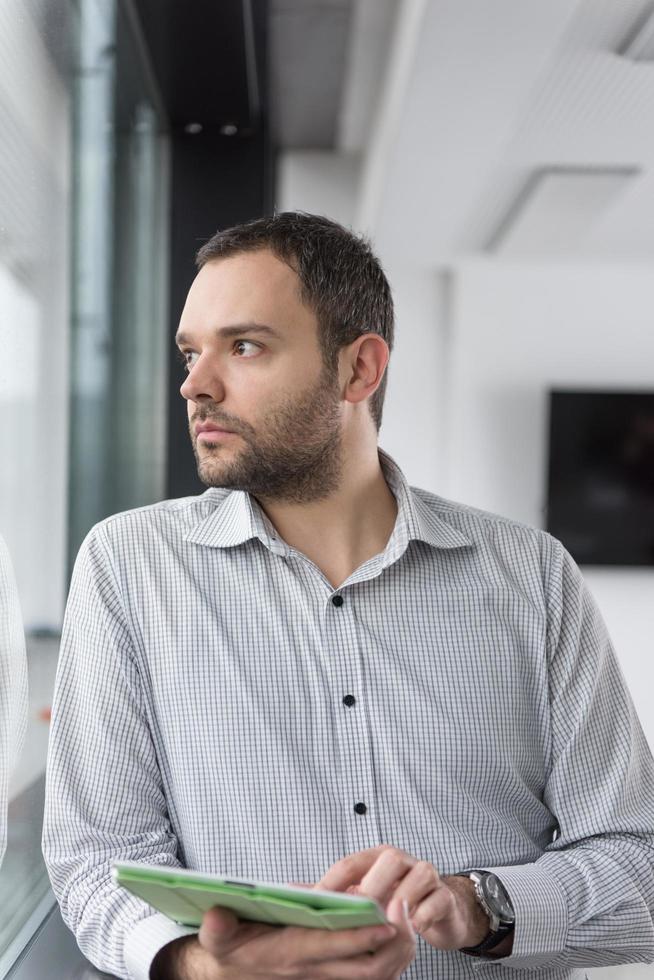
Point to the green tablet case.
(185, 896)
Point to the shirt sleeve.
(104, 793)
(589, 900)
(13, 685)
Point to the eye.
(240, 343)
(185, 356)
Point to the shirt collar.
(416, 518)
(238, 517)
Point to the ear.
(363, 365)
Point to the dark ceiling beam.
(208, 60)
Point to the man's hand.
(229, 949)
(443, 910)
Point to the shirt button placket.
(359, 807)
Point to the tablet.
(185, 896)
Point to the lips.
(208, 427)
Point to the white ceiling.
(493, 93)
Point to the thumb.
(397, 913)
(219, 928)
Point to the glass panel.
(120, 254)
(140, 325)
(92, 266)
(83, 252)
(35, 105)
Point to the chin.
(211, 465)
(209, 476)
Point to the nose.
(202, 384)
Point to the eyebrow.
(236, 330)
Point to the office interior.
(499, 156)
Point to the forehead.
(247, 287)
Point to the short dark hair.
(341, 279)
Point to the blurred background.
(501, 158)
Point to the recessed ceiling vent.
(639, 45)
(556, 208)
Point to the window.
(83, 334)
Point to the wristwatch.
(494, 900)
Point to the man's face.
(269, 387)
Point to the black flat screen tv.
(600, 499)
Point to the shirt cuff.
(541, 915)
(143, 942)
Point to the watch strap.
(492, 940)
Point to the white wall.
(516, 331)
(318, 181)
(415, 425)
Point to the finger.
(223, 935)
(398, 916)
(395, 957)
(386, 874)
(221, 931)
(417, 884)
(350, 870)
(218, 930)
(388, 960)
(436, 908)
(319, 945)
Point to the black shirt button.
(360, 807)
(349, 700)
(337, 600)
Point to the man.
(315, 673)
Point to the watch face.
(497, 898)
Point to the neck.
(341, 531)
